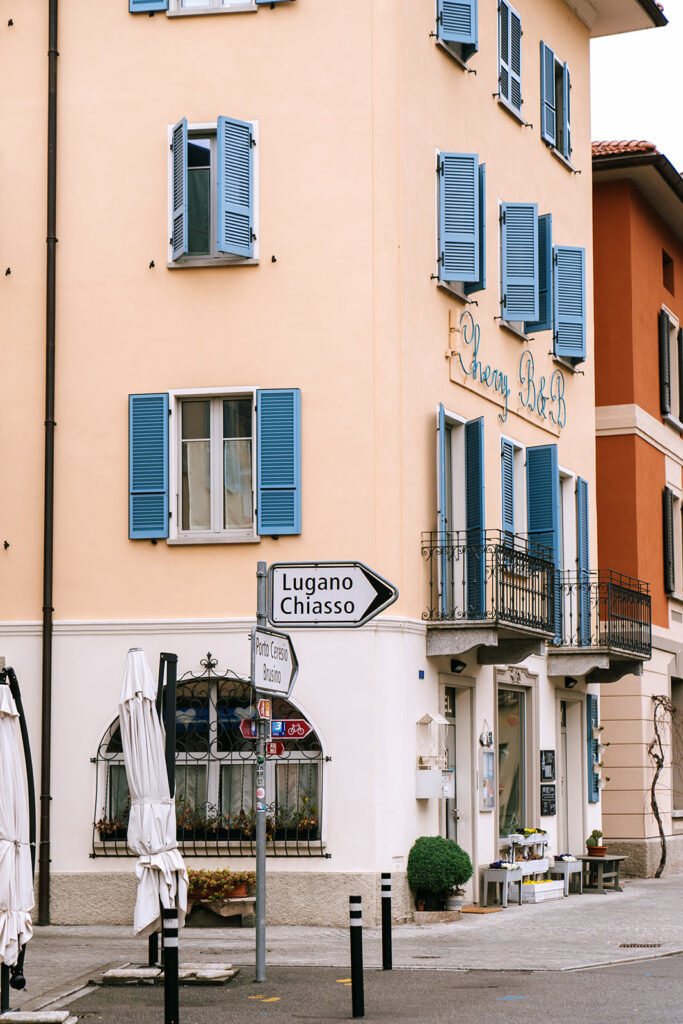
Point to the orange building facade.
(638, 280)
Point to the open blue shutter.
(474, 519)
(569, 287)
(566, 113)
(456, 21)
(583, 562)
(545, 276)
(442, 524)
(543, 514)
(179, 144)
(458, 216)
(278, 461)
(519, 261)
(235, 187)
(515, 65)
(548, 103)
(509, 55)
(480, 283)
(148, 466)
(592, 746)
(138, 6)
(504, 50)
(668, 539)
(507, 487)
(664, 363)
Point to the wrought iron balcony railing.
(489, 576)
(603, 609)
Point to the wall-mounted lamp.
(486, 737)
(570, 682)
(457, 666)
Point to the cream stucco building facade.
(351, 342)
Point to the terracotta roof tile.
(624, 146)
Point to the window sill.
(510, 325)
(566, 364)
(192, 262)
(677, 815)
(454, 288)
(673, 422)
(238, 538)
(446, 48)
(563, 159)
(239, 8)
(513, 112)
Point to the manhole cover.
(639, 945)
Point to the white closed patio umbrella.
(162, 878)
(16, 872)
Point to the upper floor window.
(510, 57)
(461, 200)
(670, 369)
(180, 7)
(457, 28)
(555, 103)
(668, 272)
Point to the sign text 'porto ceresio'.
(537, 394)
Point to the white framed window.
(212, 193)
(555, 103)
(176, 7)
(670, 368)
(513, 486)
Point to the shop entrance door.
(570, 778)
(458, 813)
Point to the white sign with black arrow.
(330, 594)
(274, 665)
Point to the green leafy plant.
(214, 886)
(436, 866)
(594, 838)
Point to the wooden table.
(600, 870)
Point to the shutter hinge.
(555, 259)
(505, 300)
(252, 140)
(502, 215)
(439, 165)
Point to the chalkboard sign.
(548, 804)
(548, 766)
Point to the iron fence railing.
(604, 609)
(489, 576)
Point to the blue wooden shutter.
(503, 50)
(566, 113)
(509, 55)
(592, 747)
(480, 283)
(138, 6)
(664, 363)
(548, 102)
(442, 524)
(583, 562)
(278, 461)
(235, 187)
(545, 276)
(458, 217)
(569, 288)
(507, 454)
(519, 261)
(668, 539)
(543, 515)
(456, 21)
(179, 144)
(474, 519)
(147, 466)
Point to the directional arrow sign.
(330, 594)
(274, 665)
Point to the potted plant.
(436, 867)
(217, 886)
(593, 844)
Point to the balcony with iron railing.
(488, 589)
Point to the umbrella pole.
(169, 935)
(4, 986)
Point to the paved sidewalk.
(565, 934)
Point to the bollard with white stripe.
(356, 936)
(386, 921)
(170, 940)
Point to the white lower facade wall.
(363, 691)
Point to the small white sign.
(274, 664)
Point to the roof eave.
(611, 17)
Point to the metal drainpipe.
(48, 520)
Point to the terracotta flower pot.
(240, 891)
(596, 851)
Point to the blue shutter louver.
(569, 287)
(458, 216)
(456, 21)
(664, 363)
(278, 461)
(519, 261)
(543, 514)
(515, 66)
(148, 466)
(566, 113)
(668, 539)
(503, 50)
(583, 562)
(235, 233)
(545, 277)
(139, 6)
(474, 519)
(179, 240)
(548, 104)
(480, 283)
(592, 746)
(507, 488)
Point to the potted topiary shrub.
(436, 867)
(593, 844)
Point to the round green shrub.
(437, 865)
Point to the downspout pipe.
(48, 516)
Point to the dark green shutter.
(664, 363)
(592, 748)
(668, 536)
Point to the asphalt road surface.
(643, 992)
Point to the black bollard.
(386, 921)
(170, 940)
(356, 936)
(4, 989)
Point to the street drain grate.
(639, 945)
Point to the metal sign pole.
(261, 605)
